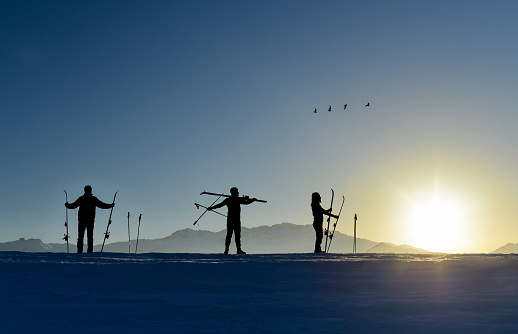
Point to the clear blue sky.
(164, 99)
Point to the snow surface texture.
(274, 293)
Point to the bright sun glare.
(437, 222)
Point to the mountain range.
(279, 238)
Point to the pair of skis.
(223, 195)
(219, 196)
(66, 237)
(107, 234)
(326, 232)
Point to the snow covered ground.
(274, 293)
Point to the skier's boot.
(240, 251)
(226, 250)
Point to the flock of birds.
(345, 107)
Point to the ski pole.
(107, 234)
(66, 221)
(129, 235)
(205, 210)
(329, 218)
(334, 225)
(138, 232)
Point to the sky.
(162, 100)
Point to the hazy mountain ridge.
(386, 247)
(510, 248)
(279, 238)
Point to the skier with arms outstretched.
(233, 204)
(86, 217)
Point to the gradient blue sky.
(164, 99)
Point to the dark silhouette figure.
(315, 111)
(329, 108)
(345, 106)
(318, 219)
(86, 217)
(233, 204)
(354, 243)
(368, 104)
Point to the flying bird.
(345, 106)
(368, 104)
(329, 108)
(315, 111)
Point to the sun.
(437, 222)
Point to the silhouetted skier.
(318, 219)
(315, 111)
(233, 204)
(86, 217)
(329, 108)
(345, 106)
(368, 104)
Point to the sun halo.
(437, 222)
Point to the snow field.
(276, 293)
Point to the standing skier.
(318, 219)
(233, 204)
(86, 217)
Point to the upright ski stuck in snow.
(129, 235)
(326, 232)
(107, 234)
(138, 232)
(334, 225)
(66, 237)
(354, 243)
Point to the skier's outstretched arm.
(72, 205)
(217, 206)
(247, 200)
(103, 205)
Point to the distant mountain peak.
(509, 248)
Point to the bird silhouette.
(345, 106)
(315, 111)
(368, 104)
(329, 108)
